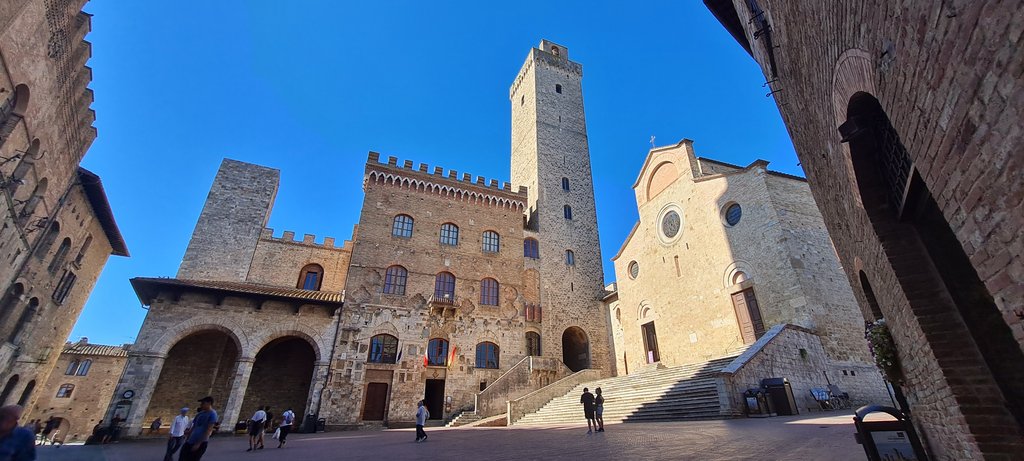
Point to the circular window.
(634, 269)
(670, 224)
(733, 213)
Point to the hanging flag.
(426, 359)
(451, 357)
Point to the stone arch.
(853, 73)
(385, 328)
(729, 275)
(165, 342)
(282, 375)
(209, 351)
(575, 348)
(298, 331)
(662, 176)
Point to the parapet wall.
(436, 180)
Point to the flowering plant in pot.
(883, 349)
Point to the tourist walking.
(177, 434)
(256, 427)
(599, 410)
(287, 419)
(587, 399)
(202, 427)
(268, 424)
(16, 443)
(421, 418)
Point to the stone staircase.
(667, 394)
(464, 418)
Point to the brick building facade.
(449, 282)
(79, 388)
(906, 118)
(720, 255)
(58, 229)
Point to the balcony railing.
(443, 304)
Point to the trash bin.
(756, 403)
(308, 424)
(321, 425)
(780, 396)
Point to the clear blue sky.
(310, 90)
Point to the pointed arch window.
(487, 355)
(437, 352)
(491, 242)
(60, 255)
(402, 226)
(565, 184)
(449, 234)
(567, 211)
(394, 280)
(311, 277)
(81, 251)
(489, 292)
(383, 349)
(72, 368)
(65, 391)
(531, 249)
(444, 286)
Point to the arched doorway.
(575, 349)
(280, 378)
(951, 304)
(201, 364)
(8, 389)
(27, 393)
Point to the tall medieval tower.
(551, 157)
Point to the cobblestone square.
(819, 436)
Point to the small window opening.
(558, 88)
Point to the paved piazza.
(818, 436)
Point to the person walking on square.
(16, 443)
(268, 423)
(587, 399)
(599, 410)
(256, 427)
(199, 436)
(421, 418)
(287, 419)
(177, 434)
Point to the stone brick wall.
(278, 261)
(946, 75)
(88, 402)
(549, 142)
(230, 225)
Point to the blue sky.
(310, 90)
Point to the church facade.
(448, 283)
(720, 255)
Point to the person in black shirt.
(587, 399)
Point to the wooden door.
(651, 343)
(375, 403)
(748, 314)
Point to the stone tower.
(551, 157)
(236, 211)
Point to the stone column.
(320, 370)
(243, 369)
(140, 376)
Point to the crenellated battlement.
(267, 234)
(439, 172)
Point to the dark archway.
(575, 349)
(8, 389)
(281, 376)
(958, 315)
(198, 365)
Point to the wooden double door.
(748, 314)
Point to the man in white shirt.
(287, 420)
(256, 424)
(180, 424)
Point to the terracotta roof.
(95, 349)
(98, 199)
(148, 287)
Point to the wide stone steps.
(463, 419)
(669, 394)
